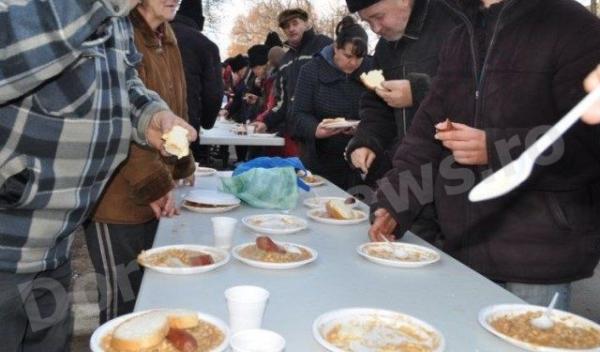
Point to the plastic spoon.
(512, 175)
(544, 321)
(399, 252)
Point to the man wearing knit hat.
(412, 32)
(303, 43)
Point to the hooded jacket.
(413, 57)
(548, 229)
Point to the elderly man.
(510, 69)
(70, 102)
(303, 43)
(412, 33)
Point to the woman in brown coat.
(126, 218)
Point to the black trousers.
(113, 249)
(35, 311)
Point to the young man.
(512, 68)
(412, 33)
(70, 102)
(302, 43)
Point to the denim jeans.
(541, 295)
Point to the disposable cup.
(223, 229)
(246, 306)
(257, 340)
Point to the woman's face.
(159, 11)
(345, 60)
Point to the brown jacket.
(146, 176)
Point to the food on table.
(563, 334)
(447, 126)
(163, 331)
(337, 209)
(373, 79)
(265, 250)
(176, 258)
(311, 179)
(176, 142)
(385, 251)
(266, 244)
(382, 334)
(282, 222)
(189, 203)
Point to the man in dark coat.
(202, 65)
(302, 43)
(510, 69)
(412, 33)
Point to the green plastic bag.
(274, 188)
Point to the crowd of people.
(88, 88)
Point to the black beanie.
(238, 62)
(258, 55)
(273, 40)
(192, 9)
(357, 5)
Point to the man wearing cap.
(202, 65)
(302, 43)
(412, 33)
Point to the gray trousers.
(35, 311)
(113, 249)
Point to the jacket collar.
(149, 37)
(418, 15)
(306, 37)
(186, 21)
(512, 11)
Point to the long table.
(221, 134)
(447, 294)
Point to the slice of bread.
(140, 332)
(182, 319)
(176, 142)
(337, 209)
(373, 79)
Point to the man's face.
(294, 30)
(161, 10)
(388, 18)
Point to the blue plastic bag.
(271, 162)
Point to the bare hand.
(323, 132)
(468, 144)
(593, 81)
(161, 123)
(259, 127)
(250, 98)
(384, 225)
(165, 206)
(397, 94)
(362, 158)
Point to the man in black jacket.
(202, 65)
(302, 43)
(412, 33)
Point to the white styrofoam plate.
(213, 197)
(319, 202)
(432, 256)
(380, 323)
(109, 326)
(275, 224)
(488, 314)
(320, 181)
(220, 256)
(268, 265)
(204, 171)
(206, 210)
(320, 215)
(342, 124)
(263, 135)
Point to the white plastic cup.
(223, 229)
(250, 129)
(257, 340)
(246, 306)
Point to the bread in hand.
(373, 79)
(176, 142)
